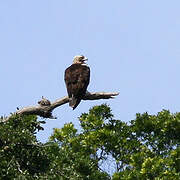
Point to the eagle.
(77, 77)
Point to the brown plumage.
(77, 78)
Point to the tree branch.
(45, 107)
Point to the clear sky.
(133, 48)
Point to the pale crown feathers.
(79, 59)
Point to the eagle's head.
(79, 59)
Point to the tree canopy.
(144, 148)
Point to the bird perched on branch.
(77, 78)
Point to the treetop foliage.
(144, 148)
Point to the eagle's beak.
(85, 59)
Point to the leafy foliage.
(20, 153)
(145, 148)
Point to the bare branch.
(99, 95)
(45, 107)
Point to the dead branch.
(45, 107)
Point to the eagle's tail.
(74, 102)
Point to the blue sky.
(133, 48)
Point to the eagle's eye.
(81, 58)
